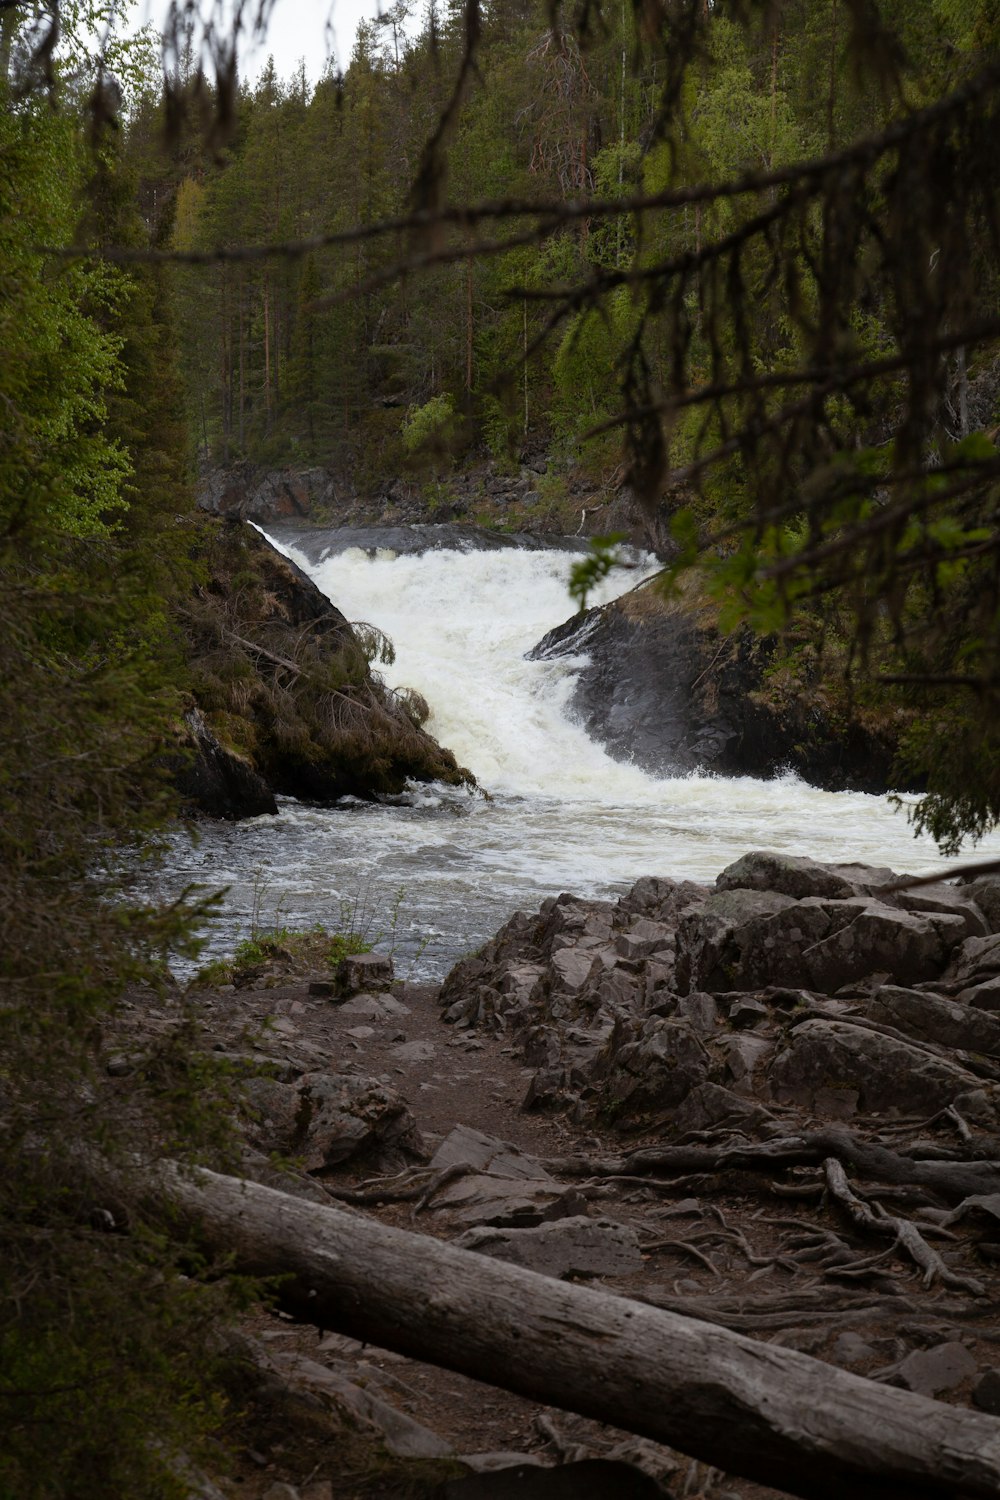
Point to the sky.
(309, 30)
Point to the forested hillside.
(333, 356)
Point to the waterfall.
(561, 814)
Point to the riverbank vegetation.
(759, 242)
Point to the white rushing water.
(561, 816)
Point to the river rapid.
(435, 872)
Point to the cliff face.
(667, 691)
(249, 492)
(284, 686)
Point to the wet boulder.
(797, 876)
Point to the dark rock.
(264, 646)
(660, 899)
(490, 1199)
(326, 1119)
(743, 938)
(645, 938)
(572, 968)
(656, 1070)
(745, 1054)
(700, 1011)
(708, 1106)
(663, 689)
(382, 1007)
(928, 1371)
(948, 900)
(708, 951)
(796, 876)
(985, 892)
(833, 1068)
(877, 939)
(213, 781)
(986, 1392)
(984, 996)
(747, 1012)
(975, 961)
(565, 1247)
(466, 1146)
(122, 1065)
(248, 492)
(929, 1019)
(272, 1111)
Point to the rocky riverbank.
(285, 698)
(530, 497)
(665, 689)
(770, 1104)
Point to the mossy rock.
(284, 680)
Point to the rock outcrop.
(789, 983)
(285, 697)
(248, 492)
(212, 780)
(663, 688)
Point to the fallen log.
(766, 1412)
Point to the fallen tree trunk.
(769, 1413)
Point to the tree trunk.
(769, 1413)
(963, 392)
(227, 369)
(267, 357)
(831, 97)
(468, 334)
(241, 407)
(524, 314)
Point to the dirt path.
(448, 1079)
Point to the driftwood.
(766, 1412)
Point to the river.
(435, 872)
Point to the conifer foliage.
(104, 1372)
